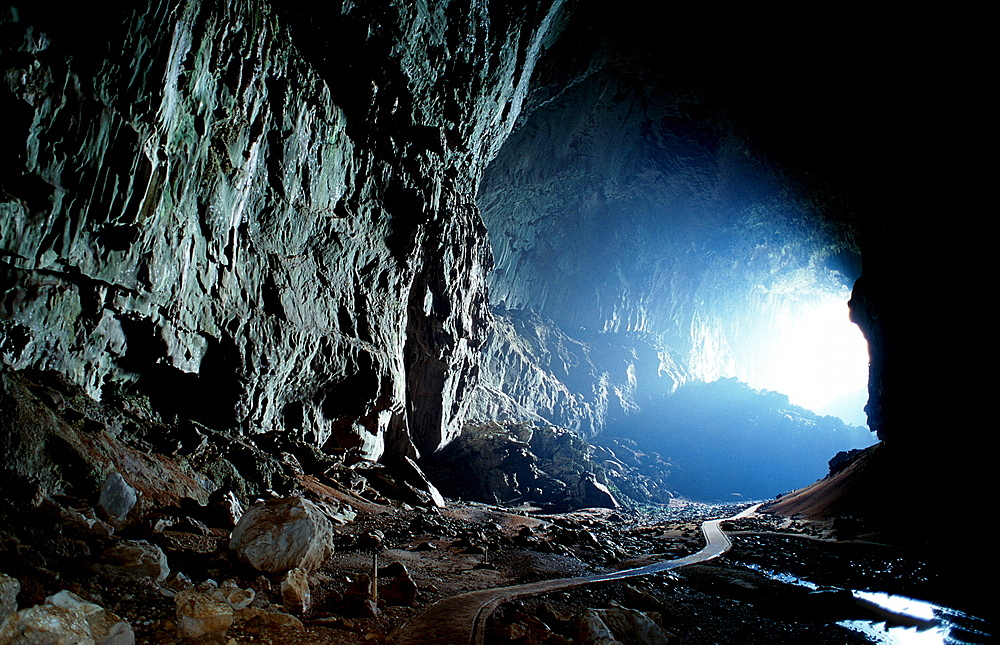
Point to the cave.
(499, 263)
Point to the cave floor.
(470, 546)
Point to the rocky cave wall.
(260, 218)
(264, 218)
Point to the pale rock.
(295, 591)
(106, 628)
(9, 588)
(46, 625)
(591, 630)
(135, 560)
(202, 612)
(283, 534)
(632, 626)
(117, 496)
(235, 596)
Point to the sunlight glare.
(819, 355)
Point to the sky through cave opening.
(796, 339)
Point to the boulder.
(106, 628)
(202, 612)
(66, 619)
(283, 534)
(401, 590)
(48, 625)
(358, 598)
(134, 560)
(226, 506)
(9, 588)
(594, 494)
(590, 629)
(117, 497)
(295, 591)
(630, 626)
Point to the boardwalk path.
(461, 619)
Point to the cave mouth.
(794, 337)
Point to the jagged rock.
(360, 586)
(117, 496)
(106, 627)
(617, 625)
(46, 624)
(234, 595)
(404, 480)
(225, 506)
(401, 590)
(514, 463)
(295, 593)
(86, 519)
(283, 534)
(202, 612)
(591, 630)
(66, 619)
(595, 494)
(134, 560)
(376, 333)
(358, 598)
(9, 588)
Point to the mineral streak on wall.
(263, 218)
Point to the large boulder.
(66, 619)
(202, 612)
(46, 624)
(134, 560)
(283, 534)
(106, 627)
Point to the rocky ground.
(116, 529)
(427, 553)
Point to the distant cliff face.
(261, 219)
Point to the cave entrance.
(794, 337)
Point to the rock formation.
(243, 245)
(261, 219)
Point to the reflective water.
(909, 621)
(905, 621)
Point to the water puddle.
(905, 621)
(909, 621)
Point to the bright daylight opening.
(792, 336)
(819, 358)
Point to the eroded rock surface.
(66, 619)
(261, 218)
(9, 588)
(283, 534)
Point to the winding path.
(462, 619)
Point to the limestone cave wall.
(267, 218)
(261, 218)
